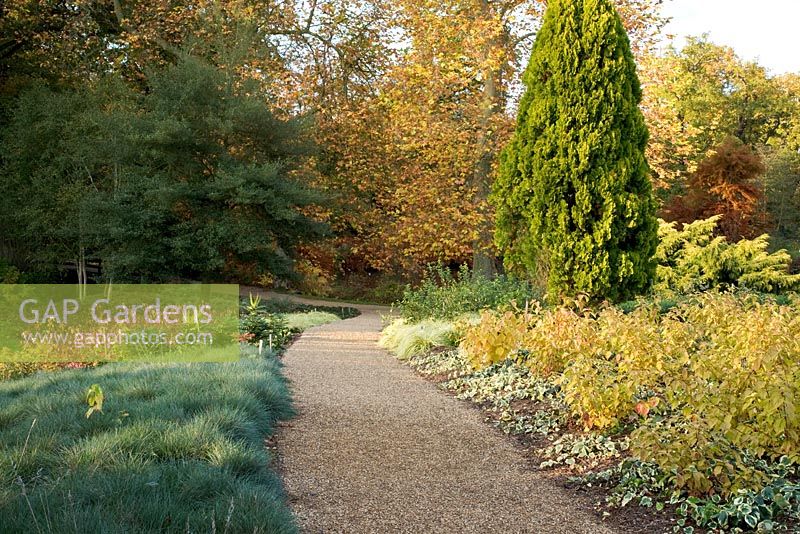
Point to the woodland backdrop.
(326, 140)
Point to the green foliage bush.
(444, 296)
(693, 259)
(386, 291)
(9, 274)
(573, 191)
(282, 318)
(255, 327)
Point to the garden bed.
(673, 418)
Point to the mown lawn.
(177, 448)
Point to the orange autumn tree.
(726, 184)
(423, 150)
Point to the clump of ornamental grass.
(411, 339)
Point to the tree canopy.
(192, 178)
(407, 105)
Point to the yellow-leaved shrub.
(494, 338)
(613, 362)
(734, 392)
(557, 336)
(712, 384)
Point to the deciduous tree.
(727, 183)
(195, 178)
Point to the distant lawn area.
(178, 448)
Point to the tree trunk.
(483, 258)
(81, 272)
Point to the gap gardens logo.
(148, 322)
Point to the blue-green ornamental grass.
(176, 448)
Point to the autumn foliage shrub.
(543, 340)
(495, 338)
(606, 361)
(555, 338)
(731, 395)
(711, 385)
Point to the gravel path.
(376, 448)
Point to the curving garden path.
(377, 449)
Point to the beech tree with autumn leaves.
(409, 104)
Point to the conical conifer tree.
(573, 191)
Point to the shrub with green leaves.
(441, 295)
(694, 259)
(9, 274)
(278, 319)
(257, 327)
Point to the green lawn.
(177, 448)
(301, 321)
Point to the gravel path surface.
(376, 448)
